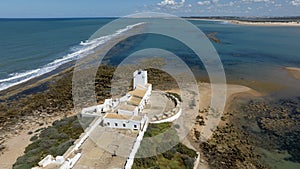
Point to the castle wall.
(122, 123)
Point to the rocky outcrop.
(279, 124)
(230, 148)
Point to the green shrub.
(32, 146)
(35, 137)
(144, 162)
(62, 148)
(155, 129)
(23, 166)
(54, 140)
(48, 132)
(182, 149)
(180, 156)
(34, 151)
(188, 161)
(169, 154)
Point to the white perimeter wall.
(129, 124)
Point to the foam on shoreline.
(84, 49)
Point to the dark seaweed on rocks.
(279, 124)
(230, 148)
(55, 101)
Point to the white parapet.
(135, 147)
(59, 159)
(68, 164)
(49, 159)
(170, 119)
(46, 161)
(108, 105)
(196, 163)
(87, 134)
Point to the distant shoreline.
(251, 22)
(265, 23)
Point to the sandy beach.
(15, 147)
(16, 143)
(233, 92)
(294, 72)
(250, 23)
(265, 23)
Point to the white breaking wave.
(86, 48)
(103, 39)
(19, 75)
(224, 22)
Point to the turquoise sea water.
(31, 47)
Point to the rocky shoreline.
(228, 147)
(256, 132)
(277, 127)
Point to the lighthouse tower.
(139, 78)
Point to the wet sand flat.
(294, 72)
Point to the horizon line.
(109, 17)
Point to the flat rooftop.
(126, 106)
(139, 92)
(116, 116)
(134, 100)
(122, 117)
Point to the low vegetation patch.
(161, 80)
(177, 157)
(155, 129)
(54, 140)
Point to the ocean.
(32, 47)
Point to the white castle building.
(122, 113)
(128, 114)
(125, 112)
